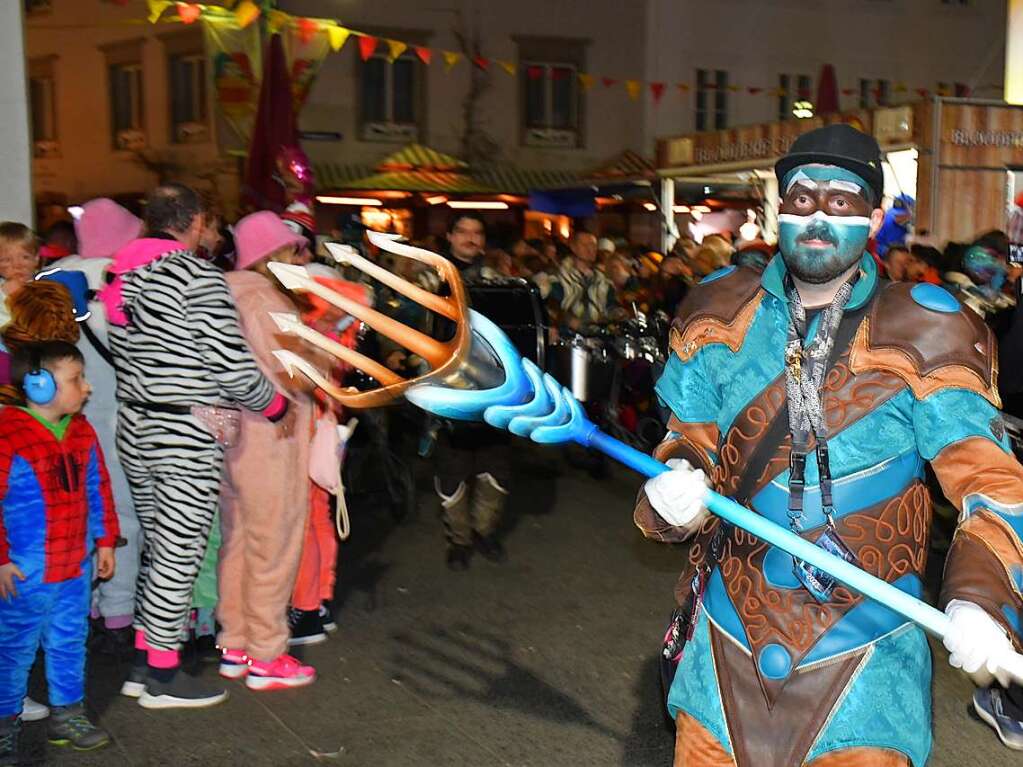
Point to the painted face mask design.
(986, 270)
(824, 224)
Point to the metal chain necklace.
(805, 368)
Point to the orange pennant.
(632, 87)
(245, 13)
(507, 66)
(395, 48)
(586, 81)
(450, 59)
(682, 87)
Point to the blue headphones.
(38, 383)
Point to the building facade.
(117, 102)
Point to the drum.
(585, 366)
(515, 306)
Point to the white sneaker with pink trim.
(283, 672)
(234, 664)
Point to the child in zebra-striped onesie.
(180, 357)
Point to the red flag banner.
(367, 46)
(608, 81)
(481, 62)
(425, 54)
(189, 12)
(657, 90)
(534, 72)
(306, 29)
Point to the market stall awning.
(417, 168)
(627, 166)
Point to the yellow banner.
(395, 48)
(338, 36)
(450, 59)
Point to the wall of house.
(84, 162)
(920, 43)
(614, 33)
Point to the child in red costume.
(55, 507)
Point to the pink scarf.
(132, 256)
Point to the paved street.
(546, 660)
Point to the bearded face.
(824, 222)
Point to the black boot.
(458, 556)
(489, 547)
(10, 729)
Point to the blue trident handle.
(532, 404)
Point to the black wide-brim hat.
(840, 145)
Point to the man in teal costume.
(814, 394)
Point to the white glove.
(976, 643)
(678, 495)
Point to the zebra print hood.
(132, 256)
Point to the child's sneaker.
(327, 617)
(33, 711)
(69, 726)
(234, 664)
(180, 691)
(10, 729)
(135, 684)
(306, 627)
(281, 673)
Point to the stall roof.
(417, 168)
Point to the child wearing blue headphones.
(56, 509)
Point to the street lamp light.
(802, 110)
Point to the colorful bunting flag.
(156, 9)
(306, 30)
(189, 12)
(450, 59)
(277, 20)
(367, 46)
(245, 13)
(248, 11)
(395, 48)
(338, 36)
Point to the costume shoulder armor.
(717, 310)
(924, 335)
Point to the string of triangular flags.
(246, 12)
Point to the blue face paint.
(820, 247)
(816, 244)
(984, 268)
